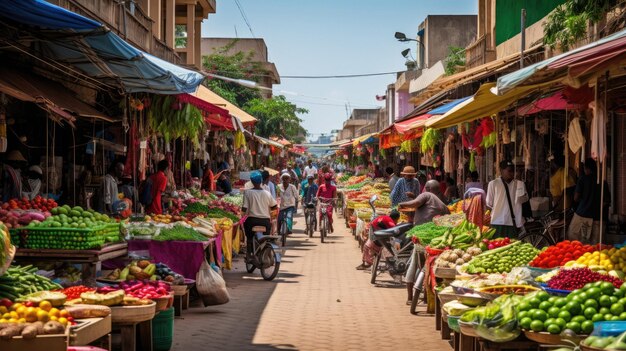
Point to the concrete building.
(259, 54)
(359, 123)
(150, 25)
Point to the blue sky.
(331, 37)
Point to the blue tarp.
(96, 51)
(446, 107)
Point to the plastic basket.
(48, 238)
(163, 330)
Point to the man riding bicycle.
(308, 192)
(327, 193)
(257, 205)
(288, 200)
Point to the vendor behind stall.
(158, 184)
(32, 186)
(406, 188)
(12, 176)
(223, 182)
(109, 186)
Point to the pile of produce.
(426, 232)
(141, 269)
(141, 229)
(54, 297)
(20, 281)
(236, 200)
(6, 249)
(38, 203)
(179, 233)
(462, 236)
(606, 342)
(74, 292)
(226, 206)
(106, 296)
(561, 253)
(496, 243)
(19, 218)
(146, 289)
(30, 321)
(497, 320)
(167, 218)
(605, 260)
(198, 209)
(577, 278)
(577, 311)
(457, 207)
(456, 257)
(503, 259)
(450, 220)
(517, 276)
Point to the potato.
(30, 332)
(53, 327)
(14, 330)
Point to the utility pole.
(523, 33)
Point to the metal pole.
(523, 41)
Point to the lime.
(589, 312)
(574, 326)
(597, 284)
(618, 293)
(554, 311)
(522, 314)
(615, 318)
(613, 299)
(592, 303)
(536, 325)
(565, 315)
(604, 310)
(573, 307)
(598, 317)
(560, 302)
(549, 321)
(617, 309)
(604, 301)
(579, 319)
(623, 287)
(543, 296)
(525, 322)
(622, 316)
(561, 322)
(586, 327)
(608, 317)
(607, 288)
(553, 329)
(594, 293)
(534, 302)
(587, 286)
(524, 306)
(553, 299)
(545, 306)
(540, 315)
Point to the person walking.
(505, 196)
(309, 170)
(393, 177)
(288, 200)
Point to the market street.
(317, 302)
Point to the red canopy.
(556, 101)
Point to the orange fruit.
(63, 320)
(64, 313)
(3, 310)
(45, 305)
(53, 318)
(6, 316)
(42, 316)
(14, 315)
(54, 312)
(20, 311)
(21, 320)
(15, 306)
(31, 315)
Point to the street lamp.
(402, 37)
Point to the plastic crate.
(44, 238)
(163, 330)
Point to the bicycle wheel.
(311, 224)
(374, 268)
(537, 239)
(323, 228)
(283, 232)
(269, 266)
(418, 287)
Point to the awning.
(572, 64)
(555, 101)
(217, 117)
(469, 75)
(91, 49)
(484, 103)
(206, 94)
(269, 142)
(365, 139)
(46, 93)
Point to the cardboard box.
(89, 330)
(56, 342)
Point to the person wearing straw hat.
(12, 177)
(406, 188)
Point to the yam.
(14, 330)
(30, 331)
(53, 327)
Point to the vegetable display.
(236, 200)
(7, 250)
(497, 320)
(503, 259)
(496, 243)
(146, 289)
(606, 342)
(457, 257)
(561, 253)
(462, 236)
(74, 292)
(38, 203)
(426, 232)
(19, 281)
(605, 260)
(179, 233)
(576, 278)
(196, 209)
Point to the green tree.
(455, 58)
(277, 117)
(237, 65)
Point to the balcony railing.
(478, 53)
(135, 27)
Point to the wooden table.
(89, 259)
(135, 333)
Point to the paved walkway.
(317, 302)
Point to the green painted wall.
(508, 14)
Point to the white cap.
(36, 169)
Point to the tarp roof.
(206, 94)
(366, 139)
(93, 50)
(29, 87)
(576, 62)
(555, 101)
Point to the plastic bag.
(211, 286)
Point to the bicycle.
(265, 254)
(324, 226)
(310, 218)
(283, 229)
(548, 230)
(418, 286)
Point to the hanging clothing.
(598, 128)
(449, 155)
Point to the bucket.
(163, 330)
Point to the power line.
(341, 76)
(245, 18)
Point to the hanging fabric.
(598, 128)
(449, 154)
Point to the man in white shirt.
(288, 200)
(310, 170)
(505, 223)
(257, 205)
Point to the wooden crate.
(89, 330)
(57, 342)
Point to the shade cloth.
(556, 101)
(366, 139)
(183, 257)
(484, 103)
(92, 49)
(206, 94)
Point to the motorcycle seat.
(310, 205)
(393, 232)
(259, 229)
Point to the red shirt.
(382, 222)
(327, 192)
(159, 181)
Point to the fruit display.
(577, 278)
(457, 207)
(30, 330)
(38, 203)
(146, 289)
(497, 320)
(179, 233)
(29, 312)
(141, 229)
(198, 209)
(577, 311)
(496, 243)
(462, 236)
(456, 257)
(449, 220)
(55, 298)
(426, 232)
(605, 260)
(141, 269)
(102, 297)
(164, 272)
(19, 281)
(19, 218)
(606, 342)
(508, 289)
(74, 292)
(7, 250)
(503, 259)
(561, 253)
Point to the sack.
(211, 286)
(145, 192)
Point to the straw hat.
(16, 156)
(408, 170)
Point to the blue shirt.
(309, 191)
(398, 194)
(272, 188)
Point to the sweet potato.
(53, 327)
(14, 330)
(30, 331)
